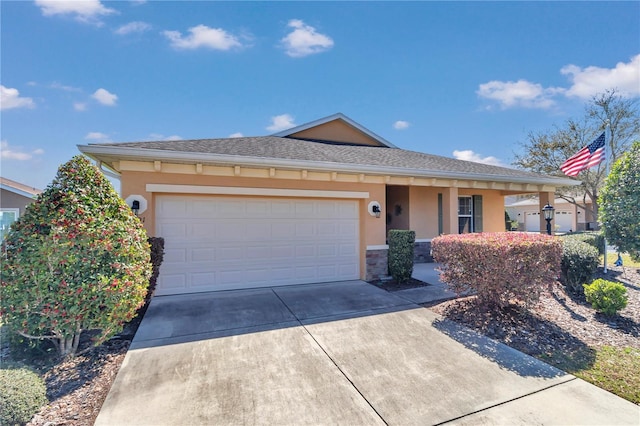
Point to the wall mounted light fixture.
(137, 203)
(135, 207)
(374, 209)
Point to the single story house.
(14, 199)
(568, 217)
(306, 205)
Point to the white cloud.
(305, 40)
(133, 27)
(281, 122)
(104, 97)
(203, 36)
(519, 93)
(236, 135)
(58, 86)
(10, 98)
(8, 152)
(80, 106)
(161, 137)
(469, 155)
(97, 136)
(401, 125)
(87, 11)
(585, 83)
(589, 81)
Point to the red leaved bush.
(501, 267)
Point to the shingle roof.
(277, 148)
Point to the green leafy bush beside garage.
(401, 248)
(77, 260)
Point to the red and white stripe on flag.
(589, 156)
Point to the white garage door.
(563, 221)
(221, 243)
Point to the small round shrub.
(579, 262)
(605, 296)
(22, 394)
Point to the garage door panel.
(174, 255)
(202, 279)
(173, 230)
(304, 209)
(221, 243)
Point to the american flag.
(589, 156)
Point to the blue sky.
(466, 80)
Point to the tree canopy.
(544, 152)
(619, 201)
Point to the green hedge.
(401, 246)
(579, 262)
(594, 239)
(22, 394)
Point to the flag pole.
(606, 173)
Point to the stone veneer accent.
(377, 264)
(422, 252)
(378, 260)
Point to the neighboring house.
(568, 217)
(300, 206)
(14, 198)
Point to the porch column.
(450, 210)
(546, 197)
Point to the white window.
(7, 217)
(470, 214)
(465, 215)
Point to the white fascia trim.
(261, 192)
(332, 117)
(378, 247)
(142, 154)
(18, 191)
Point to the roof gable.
(336, 128)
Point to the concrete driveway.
(337, 353)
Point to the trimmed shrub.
(401, 246)
(605, 296)
(157, 256)
(22, 394)
(594, 239)
(579, 263)
(499, 267)
(78, 259)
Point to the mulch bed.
(391, 285)
(559, 322)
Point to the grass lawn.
(627, 262)
(614, 369)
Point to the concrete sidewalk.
(337, 353)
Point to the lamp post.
(548, 212)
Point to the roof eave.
(98, 152)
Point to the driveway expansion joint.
(304, 327)
(569, 380)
